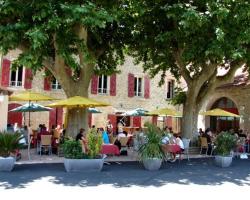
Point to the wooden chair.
(123, 141)
(204, 144)
(46, 143)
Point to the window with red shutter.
(28, 78)
(113, 85)
(5, 80)
(136, 121)
(146, 87)
(94, 84)
(131, 85)
(47, 84)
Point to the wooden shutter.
(154, 120)
(14, 117)
(94, 84)
(89, 119)
(56, 117)
(113, 85)
(28, 78)
(5, 73)
(47, 84)
(112, 119)
(146, 87)
(168, 122)
(136, 121)
(131, 84)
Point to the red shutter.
(94, 84)
(55, 117)
(112, 119)
(47, 84)
(14, 117)
(113, 85)
(168, 121)
(154, 120)
(137, 121)
(146, 87)
(5, 73)
(28, 78)
(90, 119)
(131, 83)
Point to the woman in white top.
(180, 143)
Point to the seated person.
(121, 134)
(82, 137)
(105, 137)
(180, 143)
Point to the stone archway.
(224, 102)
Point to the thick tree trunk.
(190, 115)
(77, 118)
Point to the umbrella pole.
(29, 114)
(56, 116)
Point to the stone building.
(130, 89)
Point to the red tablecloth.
(110, 149)
(172, 148)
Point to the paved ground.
(197, 179)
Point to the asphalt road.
(197, 179)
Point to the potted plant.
(9, 143)
(151, 153)
(224, 144)
(77, 160)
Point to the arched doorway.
(14, 117)
(224, 123)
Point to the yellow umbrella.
(30, 96)
(219, 112)
(165, 112)
(78, 101)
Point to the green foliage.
(72, 149)
(152, 148)
(9, 143)
(225, 142)
(200, 32)
(95, 141)
(179, 97)
(43, 29)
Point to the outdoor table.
(171, 148)
(110, 149)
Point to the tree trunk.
(190, 117)
(77, 118)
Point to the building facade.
(130, 89)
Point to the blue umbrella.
(30, 107)
(94, 110)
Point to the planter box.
(80, 165)
(152, 164)
(223, 161)
(7, 164)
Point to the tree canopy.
(192, 39)
(79, 31)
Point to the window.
(138, 86)
(55, 85)
(16, 77)
(170, 89)
(103, 84)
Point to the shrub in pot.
(9, 143)
(225, 143)
(151, 152)
(76, 160)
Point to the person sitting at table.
(105, 136)
(180, 143)
(81, 136)
(208, 134)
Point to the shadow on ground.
(197, 171)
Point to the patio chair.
(123, 141)
(204, 144)
(186, 143)
(46, 143)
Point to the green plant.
(94, 143)
(9, 143)
(153, 147)
(225, 142)
(72, 149)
